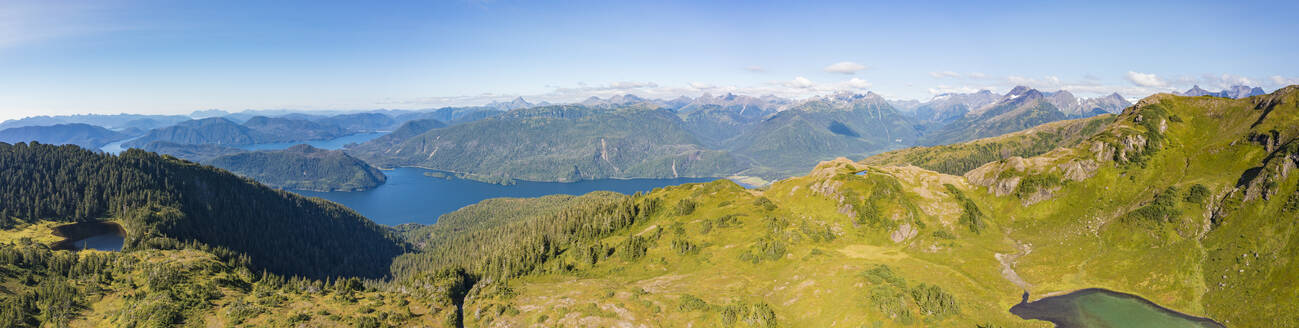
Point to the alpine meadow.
(649, 164)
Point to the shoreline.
(472, 176)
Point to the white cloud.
(1224, 81)
(977, 75)
(625, 85)
(799, 83)
(941, 89)
(701, 85)
(944, 74)
(1282, 81)
(755, 69)
(1145, 80)
(845, 67)
(856, 83)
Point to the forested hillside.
(166, 202)
(1188, 202)
(794, 140)
(222, 131)
(303, 167)
(558, 143)
(1141, 206)
(193, 153)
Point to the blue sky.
(109, 56)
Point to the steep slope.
(166, 203)
(948, 107)
(1194, 193)
(1186, 202)
(956, 159)
(303, 167)
(716, 120)
(558, 143)
(1020, 109)
(819, 129)
(1073, 106)
(84, 135)
(1113, 103)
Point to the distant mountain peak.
(1018, 90)
(1235, 92)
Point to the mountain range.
(734, 135)
(1019, 109)
(84, 135)
(1180, 203)
(557, 143)
(765, 137)
(222, 131)
(1234, 92)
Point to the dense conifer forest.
(162, 202)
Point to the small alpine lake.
(97, 235)
(410, 196)
(1096, 307)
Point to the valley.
(1156, 201)
(638, 164)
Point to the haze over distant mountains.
(1234, 92)
(84, 135)
(622, 136)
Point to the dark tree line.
(163, 201)
(524, 243)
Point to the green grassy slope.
(1154, 204)
(962, 157)
(1189, 202)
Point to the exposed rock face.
(1079, 170)
(1040, 195)
(1132, 144)
(1102, 150)
(830, 188)
(904, 232)
(1262, 182)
